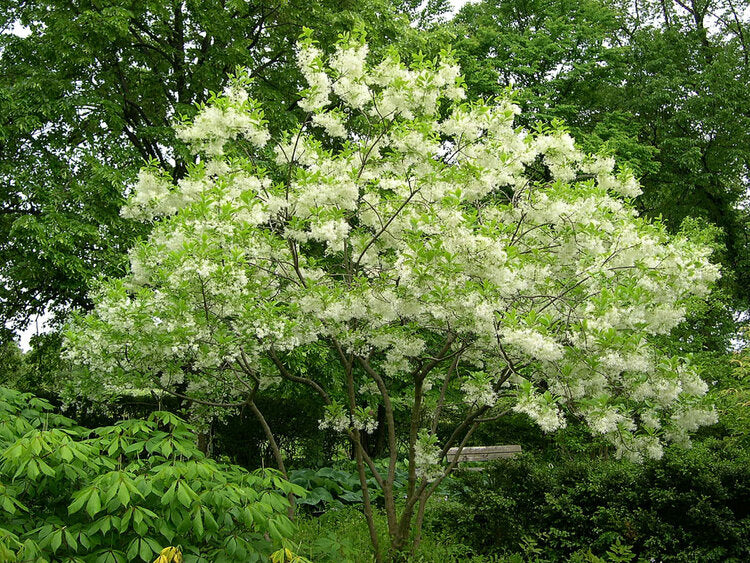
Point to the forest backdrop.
(89, 91)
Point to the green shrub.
(124, 492)
(294, 420)
(690, 506)
(331, 488)
(336, 487)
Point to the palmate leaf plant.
(122, 493)
(332, 487)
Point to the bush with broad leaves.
(123, 493)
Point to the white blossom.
(331, 122)
(422, 233)
(427, 457)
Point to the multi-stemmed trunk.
(418, 489)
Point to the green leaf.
(122, 525)
(71, 541)
(166, 530)
(198, 523)
(56, 540)
(133, 548)
(169, 494)
(145, 551)
(46, 469)
(274, 531)
(94, 505)
(285, 526)
(123, 495)
(183, 496)
(80, 500)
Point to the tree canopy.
(662, 86)
(88, 92)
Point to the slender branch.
(466, 422)
(383, 229)
(292, 156)
(368, 460)
(349, 364)
(291, 377)
(390, 506)
(506, 357)
(295, 261)
(269, 435)
(358, 449)
(416, 413)
(426, 492)
(366, 157)
(416, 416)
(203, 401)
(493, 417)
(422, 372)
(443, 391)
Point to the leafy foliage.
(13, 365)
(124, 492)
(329, 487)
(293, 416)
(336, 487)
(732, 397)
(444, 258)
(688, 506)
(88, 93)
(650, 82)
(340, 535)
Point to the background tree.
(88, 91)
(440, 262)
(662, 85)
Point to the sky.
(457, 5)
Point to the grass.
(341, 535)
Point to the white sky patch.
(457, 5)
(19, 30)
(39, 325)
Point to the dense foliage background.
(88, 91)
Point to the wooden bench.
(482, 453)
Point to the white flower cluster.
(542, 409)
(608, 421)
(603, 169)
(338, 419)
(150, 193)
(216, 125)
(534, 344)
(349, 62)
(478, 390)
(364, 420)
(310, 62)
(427, 457)
(340, 423)
(331, 122)
(388, 89)
(560, 155)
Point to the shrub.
(330, 488)
(124, 492)
(294, 419)
(691, 505)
